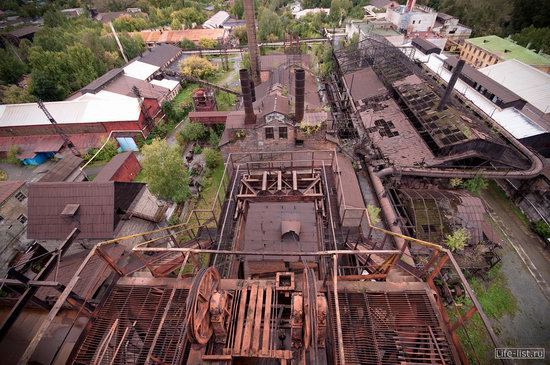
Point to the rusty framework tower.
(250, 18)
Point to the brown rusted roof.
(7, 188)
(364, 84)
(109, 170)
(273, 103)
(63, 169)
(176, 36)
(101, 208)
(124, 85)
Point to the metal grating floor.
(134, 323)
(391, 328)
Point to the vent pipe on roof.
(451, 85)
(249, 16)
(249, 116)
(299, 94)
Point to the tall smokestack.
(249, 17)
(299, 94)
(451, 85)
(249, 116)
(253, 90)
(410, 5)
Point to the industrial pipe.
(389, 214)
(451, 85)
(299, 94)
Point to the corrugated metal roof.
(62, 169)
(518, 124)
(216, 20)
(528, 82)
(140, 70)
(160, 55)
(98, 83)
(100, 208)
(70, 112)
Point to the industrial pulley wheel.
(199, 328)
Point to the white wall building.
(217, 20)
(413, 21)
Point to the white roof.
(216, 20)
(528, 82)
(511, 119)
(140, 70)
(305, 12)
(166, 83)
(71, 112)
(103, 95)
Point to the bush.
(109, 150)
(476, 185)
(188, 45)
(212, 157)
(193, 132)
(12, 155)
(458, 239)
(198, 67)
(213, 139)
(542, 229)
(197, 150)
(374, 214)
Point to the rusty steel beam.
(56, 308)
(31, 290)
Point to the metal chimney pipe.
(451, 85)
(253, 90)
(299, 94)
(249, 116)
(250, 18)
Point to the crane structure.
(66, 140)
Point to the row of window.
(270, 133)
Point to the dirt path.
(526, 266)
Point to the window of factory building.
(20, 196)
(22, 219)
(283, 132)
(269, 133)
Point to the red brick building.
(124, 167)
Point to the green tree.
(164, 171)
(457, 240)
(339, 10)
(12, 155)
(534, 38)
(54, 18)
(476, 185)
(11, 68)
(13, 94)
(241, 35)
(187, 44)
(237, 10)
(197, 66)
(49, 78)
(133, 45)
(212, 157)
(269, 25)
(109, 150)
(193, 132)
(206, 43)
(81, 67)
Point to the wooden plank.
(249, 320)
(264, 181)
(267, 320)
(240, 321)
(257, 321)
(279, 180)
(294, 181)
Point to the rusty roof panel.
(101, 207)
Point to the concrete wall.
(476, 56)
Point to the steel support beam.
(31, 290)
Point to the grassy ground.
(184, 96)
(497, 300)
(496, 190)
(210, 188)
